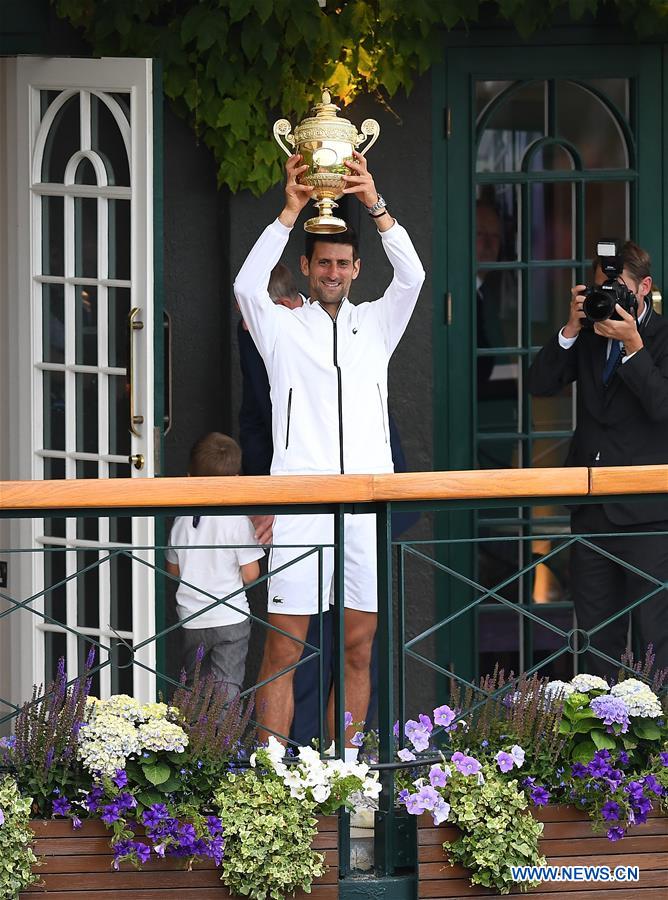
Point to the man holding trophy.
(327, 364)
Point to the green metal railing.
(359, 494)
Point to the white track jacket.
(328, 377)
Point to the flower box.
(78, 866)
(567, 839)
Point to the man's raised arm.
(250, 285)
(398, 301)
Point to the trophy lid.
(324, 122)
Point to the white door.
(81, 312)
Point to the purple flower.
(120, 779)
(504, 761)
(2, 817)
(634, 790)
(406, 755)
(92, 798)
(428, 797)
(347, 720)
(616, 833)
(395, 729)
(578, 770)
(110, 813)
(651, 784)
(61, 806)
(403, 795)
(417, 734)
(441, 811)
(155, 815)
(142, 850)
(76, 822)
(437, 777)
(125, 801)
(443, 715)
(664, 758)
(539, 795)
(413, 805)
(611, 710)
(599, 767)
(357, 739)
(623, 758)
(214, 825)
(467, 765)
(610, 811)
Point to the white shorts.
(294, 590)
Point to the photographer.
(615, 348)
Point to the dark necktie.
(612, 361)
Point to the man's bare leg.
(360, 628)
(274, 702)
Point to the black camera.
(600, 299)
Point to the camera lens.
(598, 304)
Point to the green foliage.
(16, 855)
(231, 68)
(498, 831)
(268, 837)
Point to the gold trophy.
(325, 143)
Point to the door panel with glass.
(553, 163)
(85, 131)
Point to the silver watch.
(377, 206)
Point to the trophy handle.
(283, 128)
(370, 129)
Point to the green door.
(544, 151)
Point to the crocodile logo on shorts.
(277, 600)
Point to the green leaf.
(148, 798)
(157, 773)
(583, 752)
(264, 9)
(603, 740)
(647, 730)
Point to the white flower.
(640, 700)
(558, 690)
(159, 734)
(320, 792)
(585, 683)
(517, 754)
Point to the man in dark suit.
(620, 367)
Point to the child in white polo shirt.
(207, 554)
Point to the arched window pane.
(85, 173)
(63, 141)
(517, 122)
(107, 140)
(585, 121)
(551, 158)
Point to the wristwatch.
(377, 207)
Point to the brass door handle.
(657, 300)
(135, 325)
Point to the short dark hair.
(635, 259)
(215, 454)
(282, 283)
(349, 236)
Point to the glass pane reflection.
(85, 311)
(606, 212)
(513, 126)
(586, 121)
(552, 220)
(549, 302)
(53, 323)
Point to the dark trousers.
(602, 587)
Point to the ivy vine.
(232, 66)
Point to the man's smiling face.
(330, 272)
